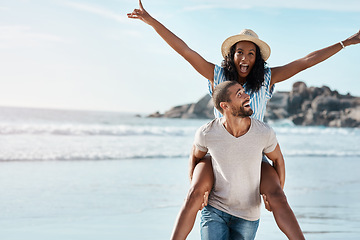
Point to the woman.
(244, 61)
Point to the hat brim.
(230, 41)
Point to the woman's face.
(244, 58)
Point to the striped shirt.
(258, 100)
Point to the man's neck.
(237, 126)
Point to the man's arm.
(279, 164)
(195, 156)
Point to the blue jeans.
(218, 225)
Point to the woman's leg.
(202, 181)
(284, 216)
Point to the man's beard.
(241, 112)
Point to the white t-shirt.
(236, 163)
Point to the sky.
(77, 54)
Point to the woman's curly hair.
(255, 79)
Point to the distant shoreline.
(305, 106)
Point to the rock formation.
(201, 109)
(307, 106)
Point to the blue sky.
(78, 54)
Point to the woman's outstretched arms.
(204, 67)
(279, 74)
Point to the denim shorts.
(265, 159)
(218, 225)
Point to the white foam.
(75, 130)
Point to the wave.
(118, 156)
(323, 153)
(137, 130)
(115, 130)
(88, 157)
(316, 131)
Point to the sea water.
(89, 175)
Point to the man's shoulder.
(261, 125)
(207, 127)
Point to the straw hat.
(246, 35)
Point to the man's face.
(240, 102)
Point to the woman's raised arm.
(279, 74)
(204, 67)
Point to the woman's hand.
(354, 39)
(140, 14)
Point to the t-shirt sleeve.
(272, 141)
(269, 90)
(199, 140)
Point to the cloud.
(18, 35)
(4, 8)
(97, 10)
(329, 5)
(202, 7)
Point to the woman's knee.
(269, 181)
(202, 181)
(203, 175)
(196, 195)
(276, 197)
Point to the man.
(236, 144)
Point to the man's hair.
(220, 93)
(255, 79)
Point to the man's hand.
(205, 203)
(267, 204)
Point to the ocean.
(67, 174)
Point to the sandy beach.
(139, 199)
(95, 175)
